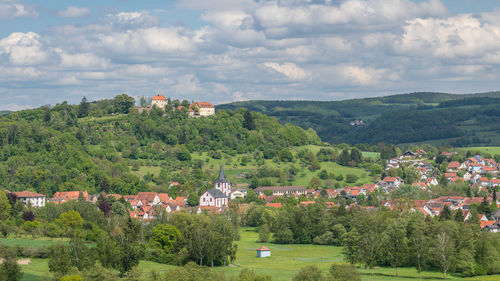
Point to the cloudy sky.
(229, 50)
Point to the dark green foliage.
(9, 269)
(343, 272)
(248, 121)
(84, 108)
(418, 118)
(309, 273)
(122, 103)
(264, 233)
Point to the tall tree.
(396, 243)
(344, 157)
(443, 250)
(248, 121)
(4, 206)
(84, 108)
(123, 103)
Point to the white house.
(282, 190)
(213, 198)
(159, 101)
(237, 194)
(31, 198)
(201, 109)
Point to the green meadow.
(284, 263)
(482, 149)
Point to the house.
(453, 166)
(432, 181)
(30, 198)
(148, 198)
(474, 167)
(159, 101)
(213, 198)
(408, 154)
(237, 193)
(496, 215)
(222, 184)
(201, 109)
(495, 227)
(263, 252)
(64, 196)
(282, 190)
(450, 175)
(392, 182)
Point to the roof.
(307, 202)
(24, 194)
(216, 193)
(274, 205)
(146, 196)
(164, 197)
(201, 104)
(263, 248)
(222, 177)
(454, 164)
(390, 179)
(283, 188)
(159, 97)
(450, 175)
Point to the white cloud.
(23, 48)
(74, 12)
(289, 69)
(16, 10)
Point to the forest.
(458, 120)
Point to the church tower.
(221, 183)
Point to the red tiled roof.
(390, 179)
(483, 224)
(307, 202)
(201, 104)
(146, 196)
(450, 175)
(263, 248)
(159, 97)
(24, 194)
(274, 205)
(454, 164)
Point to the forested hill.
(439, 118)
(95, 146)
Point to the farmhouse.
(282, 190)
(201, 109)
(30, 198)
(263, 252)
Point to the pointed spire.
(222, 177)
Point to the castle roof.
(201, 104)
(159, 97)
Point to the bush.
(344, 272)
(309, 273)
(350, 178)
(324, 239)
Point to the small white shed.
(263, 252)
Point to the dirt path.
(20, 261)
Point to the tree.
(264, 233)
(10, 270)
(356, 156)
(344, 157)
(443, 250)
(446, 214)
(314, 183)
(395, 243)
(308, 273)
(69, 220)
(81, 256)
(351, 243)
(166, 236)
(248, 121)
(122, 103)
(418, 246)
(193, 199)
(343, 272)
(84, 108)
(59, 259)
(4, 206)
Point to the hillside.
(103, 147)
(437, 118)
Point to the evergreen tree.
(344, 157)
(84, 108)
(248, 121)
(356, 156)
(445, 214)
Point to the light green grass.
(284, 263)
(482, 149)
(28, 242)
(371, 155)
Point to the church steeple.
(222, 177)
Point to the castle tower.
(221, 183)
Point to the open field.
(28, 242)
(283, 264)
(482, 149)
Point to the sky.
(234, 50)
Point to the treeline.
(97, 146)
(386, 238)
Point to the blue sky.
(228, 50)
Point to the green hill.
(437, 118)
(107, 148)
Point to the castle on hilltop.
(196, 109)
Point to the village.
(476, 171)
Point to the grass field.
(28, 242)
(283, 264)
(482, 149)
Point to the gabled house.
(453, 166)
(30, 198)
(148, 198)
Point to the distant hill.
(4, 112)
(438, 118)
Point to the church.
(219, 196)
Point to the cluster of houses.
(195, 110)
(476, 170)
